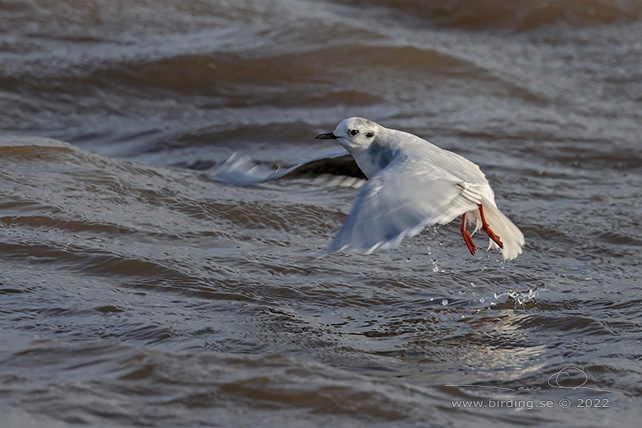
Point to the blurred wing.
(338, 163)
(242, 171)
(400, 201)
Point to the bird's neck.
(374, 158)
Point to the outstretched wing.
(400, 200)
(242, 171)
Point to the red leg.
(467, 238)
(487, 229)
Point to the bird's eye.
(354, 132)
(370, 134)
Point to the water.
(138, 291)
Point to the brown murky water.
(137, 290)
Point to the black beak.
(328, 136)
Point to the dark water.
(138, 291)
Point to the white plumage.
(412, 184)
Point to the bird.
(413, 184)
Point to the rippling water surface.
(138, 290)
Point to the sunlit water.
(139, 290)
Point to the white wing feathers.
(385, 214)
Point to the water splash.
(521, 298)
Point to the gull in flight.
(413, 184)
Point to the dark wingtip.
(328, 136)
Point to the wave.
(516, 14)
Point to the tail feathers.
(509, 234)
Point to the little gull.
(413, 184)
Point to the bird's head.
(356, 134)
